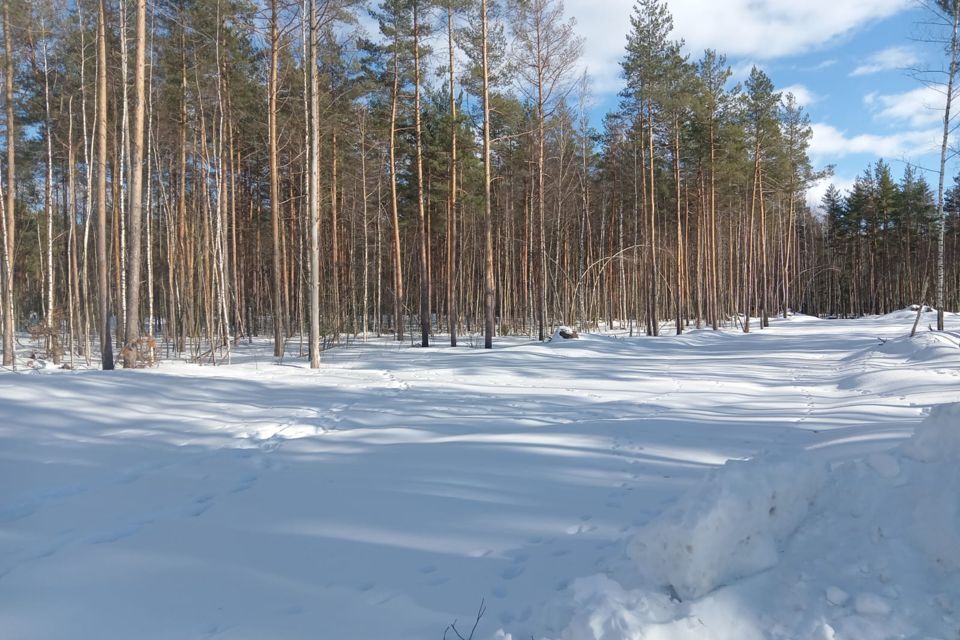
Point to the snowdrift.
(790, 548)
(730, 525)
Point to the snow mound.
(780, 549)
(564, 332)
(938, 438)
(730, 525)
(909, 313)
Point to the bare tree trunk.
(489, 291)
(765, 271)
(106, 342)
(51, 314)
(362, 127)
(397, 258)
(452, 318)
(335, 260)
(314, 177)
(714, 261)
(88, 192)
(278, 329)
(678, 294)
(132, 322)
(541, 198)
(652, 239)
(941, 221)
(751, 244)
(72, 273)
(421, 212)
(10, 233)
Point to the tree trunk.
(941, 221)
(394, 205)
(314, 186)
(9, 322)
(106, 342)
(421, 213)
(489, 291)
(132, 321)
(278, 329)
(452, 319)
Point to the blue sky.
(845, 61)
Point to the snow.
(837, 596)
(797, 482)
(870, 604)
(729, 525)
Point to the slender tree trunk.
(678, 294)
(52, 322)
(73, 306)
(652, 238)
(489, 291)
(88, 192)
(542, 246)
(714, 266)
(9, 321)
(278, 328)
(364, 309)
(132, 322)
(941, 221)
(334, 236)
(394, 205)
(314, 177)
(452, 319)
(421, 212)
(106, 342)
(764, 266)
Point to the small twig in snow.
(453, 627)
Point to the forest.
(184, 174)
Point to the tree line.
(183, 174)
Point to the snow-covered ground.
(581, 489)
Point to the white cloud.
(604, 26)
(830, 143)
(887, 60)
(740, 71)
(804, 96)
(768, 29)
(751, 29)
(818, 189)
(919, 107)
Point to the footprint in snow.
(212, 631)
(511, 572)
(518, 556)
(579, 529)
(290, 610)
(428, 568)
(115, 535)
(200, 505)
(244, 483)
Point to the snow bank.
(938, 438)
(779, 549)
(564, 332)
(729, 525)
